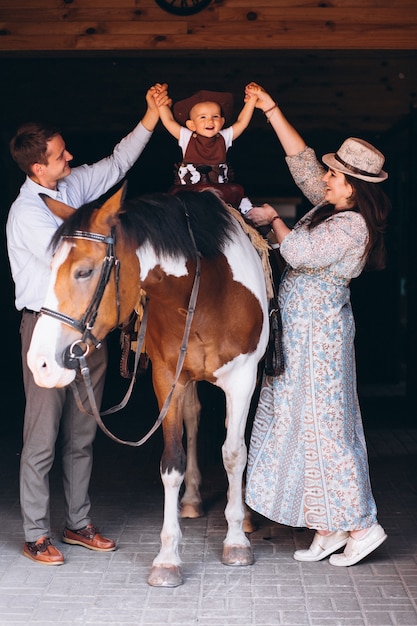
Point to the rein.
(79, 349)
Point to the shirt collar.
(57, 193)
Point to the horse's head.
(93, 288)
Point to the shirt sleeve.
(184, 140)
(88, 182)
(227, 135)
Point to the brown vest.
(205, 150)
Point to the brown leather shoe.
(42, 551)
(90, 538)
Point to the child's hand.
(163, 100)
(264, 100)
(253, 88)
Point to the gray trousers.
(49, 413)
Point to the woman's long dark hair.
(374, 206)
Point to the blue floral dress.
(308, 462)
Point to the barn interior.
(337, 69)
(327, 94)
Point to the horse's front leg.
(236, 547)
(166, 571)
(191, 505)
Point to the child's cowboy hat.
(183, 107)
(359, 159)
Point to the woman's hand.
(261, 215)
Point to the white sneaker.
(322, 546)
(357, 549)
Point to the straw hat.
(359, 159)
(183, 107)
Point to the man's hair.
(29, 145)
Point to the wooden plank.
(362, 17)
(249, 5)
(24, 29)
(275, 29)
(121, 11)
(40, 5)
(313, 4)
(57, 14)
(337, 37)
(118, 13)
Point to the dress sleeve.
(307, 173)
(338, 238)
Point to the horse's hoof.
(165, 576)
(237, 555)
(191, 511)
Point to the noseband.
(86, 323)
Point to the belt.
(34, 313)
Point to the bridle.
(86, 324)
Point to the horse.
(165, 245)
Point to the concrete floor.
(111, 588)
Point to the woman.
(308, 462)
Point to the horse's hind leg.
(191, 505)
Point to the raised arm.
(245, 115)
(291, 141)
(151, 117)
(164, 102)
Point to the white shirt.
(31, 225)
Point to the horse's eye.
(83, 273)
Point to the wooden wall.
(127, 25)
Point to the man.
(41, 153)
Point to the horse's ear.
(108, 212)
(60, 209)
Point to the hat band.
(354, 169)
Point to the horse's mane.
(161, 220)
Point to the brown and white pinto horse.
(155, 242)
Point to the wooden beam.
(127, 25)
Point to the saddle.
(230, 192)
